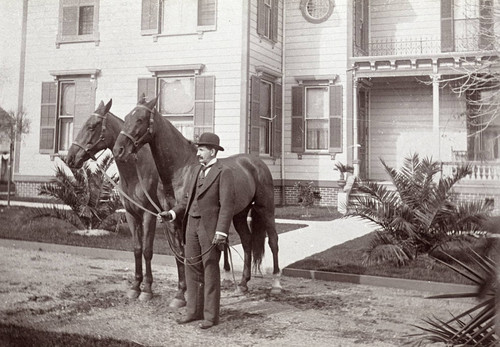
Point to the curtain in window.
(317, 111)
(177, 96)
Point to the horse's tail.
(259, 227)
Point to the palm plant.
(417, 216)
(87, 192)
(475, 326)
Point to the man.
(208, 212)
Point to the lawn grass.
(348, 258)
(16, 224)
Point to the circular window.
(316, 11)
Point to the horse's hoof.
(177, 303)
(241, 290)
(145, 296)
(276, 290)
(133, 294)
(226, 283)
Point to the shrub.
(87, 192)
(418, 216)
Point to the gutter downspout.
(283, 83)
(15, 146)
(245, 84)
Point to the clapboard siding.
(313, 49)
(123, 55)
(403, 19)
(401, 123)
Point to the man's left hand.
(220, 241)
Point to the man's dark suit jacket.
(216, 199)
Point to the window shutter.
(150, 16)
(255, 116)
(146, 86)
(335, 119)
(298, 125)
(486, 34)
(447, 35)
(274, 20)
(70, 20)
(204, 104)
(84, 103)
(261, 22)
(277, 119)
(48, 117)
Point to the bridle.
(149, 130)
(90, 147)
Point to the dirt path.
(58, 292)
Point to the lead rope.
(178, 256)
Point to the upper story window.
(316, 11)
(177, 17)
(361, 22)
(65, 105)
(185, 98)
(267, 19)
(467, 25)
(78, 21)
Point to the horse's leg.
(135, 228)
(241, 226)
(149, 228)
(175, 231)
(227, 279)
(264, 216)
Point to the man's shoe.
(206, 324)
(186, 320)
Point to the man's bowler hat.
(209, 139)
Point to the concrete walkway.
(294, 245)
(316, 237)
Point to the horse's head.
(137, 130)
(90, 139)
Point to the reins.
(89, 148)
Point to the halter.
(90, 147)
(148, 131)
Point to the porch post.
(435, 114)
(355, 144)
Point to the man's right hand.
(165, 215)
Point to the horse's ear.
(108, 106)
(142, 99)
(152, 102)
(101, 105)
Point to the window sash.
(65, 115)
(317, 112)
(78, 21)
(266, 108)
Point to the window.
(317, 119)
(265, 117)
(176, 103)
(267, 19)
(316, 11)
(65, 115)
(78, 21)
(186, 99)
(466, 25)
(174, 17)
(65, 105)
(361, 26)
(483, 127)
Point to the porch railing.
(416, 46)
(481, 171)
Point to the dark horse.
(98, 133)
(175, 157)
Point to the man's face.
(205, 154)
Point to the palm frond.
(57, 213)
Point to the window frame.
(326, 117)
(60, 117)
(153, 10)
(305, 13)
(77, 38)
(85, 84)
(267, 26)
(204, 93)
